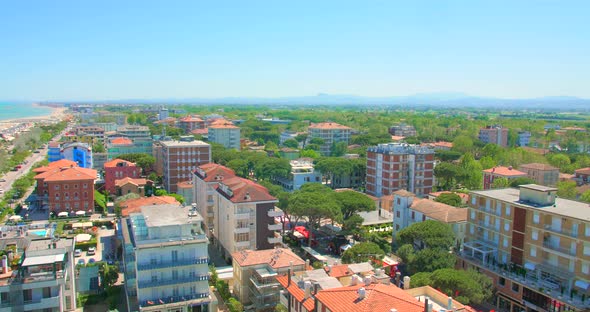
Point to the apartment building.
(163, 114)
(190, 123)
(180, 159)
(255, 275)
(494, 135)
(94, 132)
(166, 260)
(205, 182)
(118, 169)
(509, 173)
(398, 166)
(543, 174)
(244, 217)
(302, 171)
(403, 130)
(408, 209)
(524, 138)
(79, 152)
(331, 133)
(226, 134)
(582, 175)
(139, 186)
(534, 245)
(140, 141)
(37, 275)
(185, 189)
(66, 189)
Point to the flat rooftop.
(538, 187)
(169, 214)
(563, 207)
(183, 143)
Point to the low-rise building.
(509, 173)
(543, 174)
(255, 274)
(134, 205)
(302, 171)
(166, 260)
(118, 169)
(402, 129)
(140, 186)
(582, 176)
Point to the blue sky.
(84, 50)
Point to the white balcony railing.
(275, 213)
(275, 227)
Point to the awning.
(62, 214)
(82, 225)
(15, 218)
(581, 284)
(83, 237)
(81, 213)
(529, 266)
(38, 260)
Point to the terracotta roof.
(114, 162)
(584, 171)
(121, 141)
(213, 170)
(138, 182)
(297, 292)
(200, 131)
(437, 194)
(378, 297)
(190, 119)
(403, 193)
(565, 176)
(444, 144)
(276, 258)
(56, 164)
(227, 125)
(219, 121)
(505, 171)
(185, 184)
(538, 166)
(68, 174)
(397, 137)
(338, 271)
(439, 211)
(327, 125)
(135, 204)
(166, 120)
(245, 190)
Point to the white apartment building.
(225, 134)
(166, 260)
(302, 171)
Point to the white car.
(91, 251)
(77, 252)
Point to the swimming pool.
(41, 233)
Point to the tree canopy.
(352, 202)
(429, 234)
(362, 252)
(451, 199)
(145, 161)
(466, 286)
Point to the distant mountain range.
(441, 99)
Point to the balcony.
(566, 232)
(275, 239)
(173, 281)
(273, 213)
(242, 230)
(170, 264)
(275, 227)
(173, 300)
(243, 244)
(210, 214)
(42, 303)
(489, 226)
(553, 247)
(242, 216)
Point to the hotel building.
(180, 159)
(331, 133)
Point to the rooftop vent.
(362, 293)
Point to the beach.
(56, 113)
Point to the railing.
(275, 240)
(275, 213)
(266, 283)
(562, 231)
(240, 216)
(242, 230)
(555, 247)
(169, 264)
(243, 244)
(173, 281)
(42, 303)
(275, 227)
(490, 226)
(173, 299)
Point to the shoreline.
(56, 113)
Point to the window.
(4, 298)
(27, 295)
(587, 229)
(506, 226)
(413, 215)
(535, 235)
(46, 292)
(533, 251)
(174, 274)
(174, 255)
(585, 268)
(536, 218)
(505, 242)
(423, 218)
(75, 186)
(473, 200)
(515, 287)
(472, 214)
(586, 250)
(502, 281)
(397, 214)
(66, 187)
(85, 185)
(507, 210)
(56, 187)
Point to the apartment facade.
(402, 130)
(66, 189)
(141, 187)
(494, 135)
(118, 169)
(226, 134)
(166, 260)
(331, 133)
(302, 171)
(524, 138)
(509, 173)
(79, 152)
(44, 279)
(399, 166)
(255, 275)
(180, 159)
(543, 174)
(190, 123)
(534, 245)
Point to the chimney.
(4, 264)
(426, 304)
(362, 293)
(406, 282)
(354, 280)
(307, 289)
(367, 281)
(450, 304)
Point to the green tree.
(429, 260)
(463, 144)
(144, 161)
(447, 155)
(317, 141)
(213, 275)
(98, 148)
(309, 153)
(362, 252)
(406, 253)
(292, 143)
(566, 189)
(470, 173)
(109, 274)
(487, 162)
(466, 286)
(314, 206)
(338, 149)
(560, 161)
(430, 234)
(446, 172)
(451, 199)
(352, 202)
(352, 223)
(240, 166)
(233, 305)
(273, 168)
(585, 196)
(500, 182)
(521, 181)
(333, 166)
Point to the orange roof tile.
(56, 164)
(190, 119)
(276, 258)
(338, 271)
(245, 190)
(219, 121)
(200, 131)
(134, 205)
(505, 171)
(378, 297)
(538, 166)
(185, 184)
(213, 172)
(444, 144)
(223, 126)
(121, 141)
(68, 174)
(296, 292)
(584, 171)
(439, 211)
(115, 162)
(403, 193)
(138, 182)
(327, 125)
(397, 137)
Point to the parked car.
(91, 251)
(77, 252)
(81, 261)
(91, 260)
(2, 180)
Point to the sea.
(14, 110)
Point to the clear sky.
(68, 50)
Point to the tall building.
(117, 169)
(509, 173)
(166, 260)
(534, 245)
(494, 135)
(65, 188)
(331, 133)
(255, 275)
(524, 138)
(53, 151)
(226, 134)
(543, 174)
(37, 275)
(163, 114)
(395, 166)
(180, 159)
(129, 139)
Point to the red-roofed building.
(331, 133)
(68, 189)
(128, 185)
(205, 180)
(117, 169)
(121, 141)
(582, 175)
(489, 175)
(135, 204)
(190, 123)
(225, 133)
